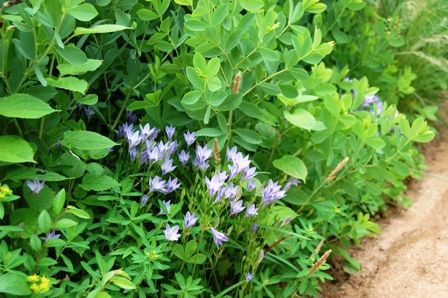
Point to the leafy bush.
(97, 201)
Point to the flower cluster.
(371, 100)
(39, 284)
(4, 191)
(231, 189)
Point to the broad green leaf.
(251, 5)
(209, 132)
(123, 283)
(84, 12)
(147, 14)
(184, 2)
(301, 118)
(105, 28)
(98, 182)
(72, 54)
(65, 223)
(213, 67)
(86, 140)
(15, 150)
(89, 99)
(44, 221)
(77, 69)
(291, 165)
(78, 212)
(14, 283)
(191, 97)
(69, 83)
(25, 106)
(248, 135)
(58, 202)
(197, 259)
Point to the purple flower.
(157, 184)
(231, 191)
(251, 211)
(240, 163)
(52, 235)
(125, 129)
(371, 100)
(35, 185)
(167, 207)
(172, 185)
(132, 117)
(291, 182)
(215, 183)
(189, 219)
(170, 130)
(164, 149)
(144, 201)
(153, 154)
(167, 166)
(89, 112)
(272, 192)
(251, 184)
(145, 131)
(202, 156)
(184, 157)
(249, 173)
(231, 153)
(190, 138)
(236, 207)
(134, 138)
(254, 227)
(218, 237)
(172, 146)
(171, 233)
(133, 153)
(249, 277)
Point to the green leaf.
(78, 212)
(191, 97)
(123, 283)
(248, 135)
(197, 259)
(147, 14)
(105, 28)
(184, 2)
(14, 283)
(69, 83)
(98, 182)
(251, 5)
(72, 54)
(209, 132)
(84, 12)
(77, 69)
(301, 118)
(24, 106)
(15, 150)
(291, 165)
(65, 223)
(213, 67)
(86, 140)
(58, 202)
(44, 221)
(89, 99)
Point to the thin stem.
(18, 126)
(41, 129)
(128, 96)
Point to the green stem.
(128, 96)
(41, 130)
(18, 126)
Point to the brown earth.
(409, 258)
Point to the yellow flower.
(33, 278)
(34, 288)
(4, 191)
(44, 284)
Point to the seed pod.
(216, 152)
(236, 83)
(319, 262)
(337, 169)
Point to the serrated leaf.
(292, 166)
(98, 183)
(69, 83)
(21, 105)
(86, 140)
(15, 150)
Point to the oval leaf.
(86, 140)
(24, 106)
(15, 150)
(292, 166)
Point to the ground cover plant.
(187, 148)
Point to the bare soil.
(409, 258)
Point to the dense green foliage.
(95, 98)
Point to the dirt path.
(409, 259)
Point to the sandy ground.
(409, 258)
